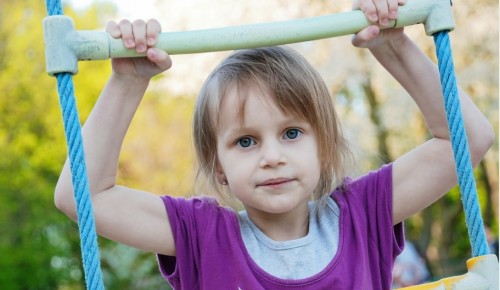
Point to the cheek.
(236, 169)
(313, 160)
(239, 174)
(314, 167)
(313, 151)
(228, 164)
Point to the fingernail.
(393, 14)
(384, 22)
(129, 43)
(373, 17)
(141, 48)
(151, 41)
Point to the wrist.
(127, 80)
(125, 87)
(392, 48)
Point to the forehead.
(235, 97)
(242, 103)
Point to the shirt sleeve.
(189, 220)
(374, 193)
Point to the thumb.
(362, 38)
(159, 57)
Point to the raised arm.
(425, 174)
(128, 216)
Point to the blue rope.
(463, 164)
(86, 224)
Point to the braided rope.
(463, 164)
(86, 224)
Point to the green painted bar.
(254, 35)
(65, 45)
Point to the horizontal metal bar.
(65, 45)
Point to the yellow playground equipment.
(65, 46)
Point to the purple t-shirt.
(210, 253)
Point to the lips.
(275, 181)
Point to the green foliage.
(31, 158)
(439, 232)
(39, 246)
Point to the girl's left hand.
(379, 12)
(141, 36)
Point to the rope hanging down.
(463, 165)
(86, 224)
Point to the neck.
(287, 226)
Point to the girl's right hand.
(141, 36)
(379, 13)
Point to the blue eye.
(292, 133)
(245, 142)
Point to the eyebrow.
(289, 121)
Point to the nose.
(272, 155)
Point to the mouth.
(276, 182)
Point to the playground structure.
(65, 46)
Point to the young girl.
(266, 133)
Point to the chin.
(281, 208)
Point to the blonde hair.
(296, 89)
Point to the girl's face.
(269, 160)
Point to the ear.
(221, 176)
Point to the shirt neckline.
(295, 282)
(281, 245)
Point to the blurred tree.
(39, 246)
(36, 240)
(31, 231)
(446, 244)
(387, 123)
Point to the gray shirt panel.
(286, 259)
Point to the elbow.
(480, 143)
(64, 200)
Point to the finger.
(139, 31)
(127, 35)
(361, 38)
(153, 28)
(113, 29)
(370, 11)
(159, 57)
(393, 7)
(382, 12)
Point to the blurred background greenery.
(39, 246)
